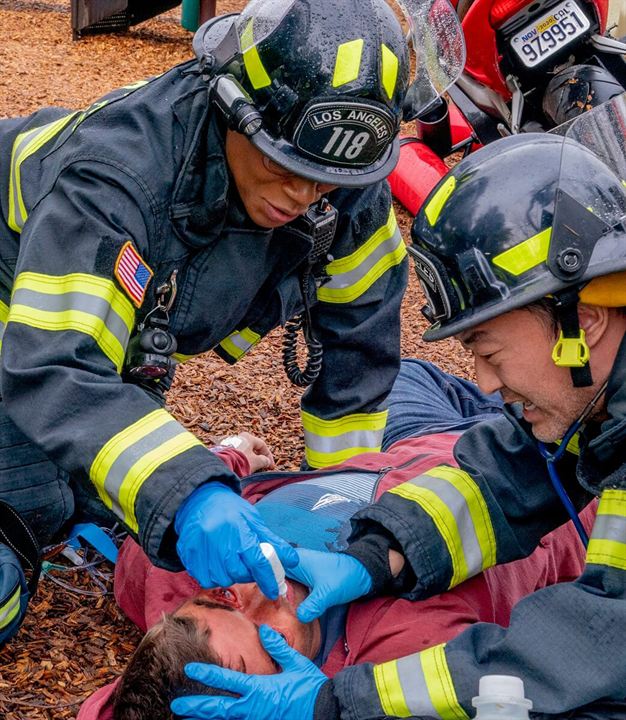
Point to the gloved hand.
(334, 579)
(218, 540)
(290, 695)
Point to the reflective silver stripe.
(354, 438)
(460, 509)
(609, 527)
(91, 304)
(240, 342)
(418, 685)
(121, 467)
(352, 277)
(414, 687)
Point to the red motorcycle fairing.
(418, 170)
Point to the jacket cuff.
(372, 551)
(326, 704)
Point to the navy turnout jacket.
(101, 207)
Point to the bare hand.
(257, 453)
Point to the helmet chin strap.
(571, 349)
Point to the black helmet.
(316, 85)
(527, 216)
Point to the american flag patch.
(133, 273)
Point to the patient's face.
(234, 624)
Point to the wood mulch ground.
(73, 643)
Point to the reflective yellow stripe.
(607, 552)
(478, 509)
(24, 146)
(439, 199)
(348, 423)
(146, 466)
(348, 62)
(237, 344)
(353, 275)
(613, 502)
(389, 690)
(254, 66)
(526, 255)
(607, 545)
(444, 521)
(4, 316)
(10, 609)
(180, 358)
(129, 458)
(329, 442)
(573, 445)
(324, 459)
(390, 65)
(111, 450)
(439, 683)
(68, 289)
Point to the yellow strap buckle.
(571, 352)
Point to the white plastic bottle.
(279, 571)
(501, 697)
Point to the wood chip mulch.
(71, 643)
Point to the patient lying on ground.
(217, 626)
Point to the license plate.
(549, 33)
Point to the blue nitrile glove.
(334, 579)
(218, 540)
(290, 695)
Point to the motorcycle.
(531, 65)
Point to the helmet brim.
(284, 154)
(521, 298)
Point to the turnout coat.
(100, 208)
(565, 641)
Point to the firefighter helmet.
(528, 216)
(317, 86)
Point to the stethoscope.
(552, 458)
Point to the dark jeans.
(426, 400)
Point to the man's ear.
(594, 320)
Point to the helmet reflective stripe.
(526, 255)
(390, 68)
(254, 66)
(348, 62)
(438, 200)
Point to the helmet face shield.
(589, 230)
(439, 47)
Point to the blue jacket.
(139, 180)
